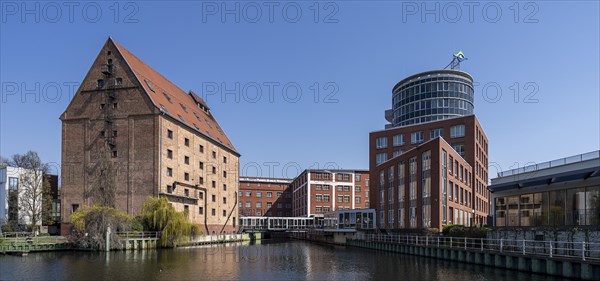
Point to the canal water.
(285, 260)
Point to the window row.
(419, 83)
(268, 205)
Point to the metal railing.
(553, 163)
(135, 235)
(559, 249)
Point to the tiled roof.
(188, 108)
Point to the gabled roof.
(187, 108)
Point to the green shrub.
(454, 230)
(139, 224)
(6, 228)
(446, 229)
(175, 226)
(92, 224)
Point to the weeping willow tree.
(174, 226)
(93, 222)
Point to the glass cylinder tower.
(431, 96)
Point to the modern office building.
(270, 197)
(130, 128)
(316, 192)
(429, 165)
(18, 187)
(562, 192)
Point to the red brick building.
(429, 165)
(270, 197)
(316, 192)
(130, 126)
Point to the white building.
(11, 179)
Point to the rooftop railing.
(553, 163)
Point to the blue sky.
(353, 52)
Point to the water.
(286, 260)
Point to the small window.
(224, 174)
(214, 184)
(100, 83)
(115, 105)
(224, 159)
(115, 133)
(164, 108)
(102, 133)
(225, 188)
(181, 118)
(169, 172)
(224, 200)
(119, 81)
(213, 212)
(214, 155)
(186, 141)
(102, 106)
(381, 142)
(170, 134)
(201, 180)
(186, 176)
(183, 107)
(416, 137)
(214, 170)
(201, 165)
(186, 160)
(74, 208)
(213, 198)
(201, 149)
(109, 53)
(457, 131)
(201, 195)
(186, 192)
(224, 213)
(168, 98)
(149, 86)
(115, 154)
(200, 210)
(169, 154)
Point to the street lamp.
(472, 217)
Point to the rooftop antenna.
(456, 60)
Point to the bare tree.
(4, 162)
(103, 189)
(32, 186)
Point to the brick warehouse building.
(129, 125)
(265, 197)
(429, 165)
(316, 192)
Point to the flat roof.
(430, 73)
(554, 163)
(583, 167)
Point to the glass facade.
(432, 97)
(574, 206)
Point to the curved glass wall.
(431, 98)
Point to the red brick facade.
(473, 161)
(316, 192)
(270, 197)
(157, 139)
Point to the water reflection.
(289, 260)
